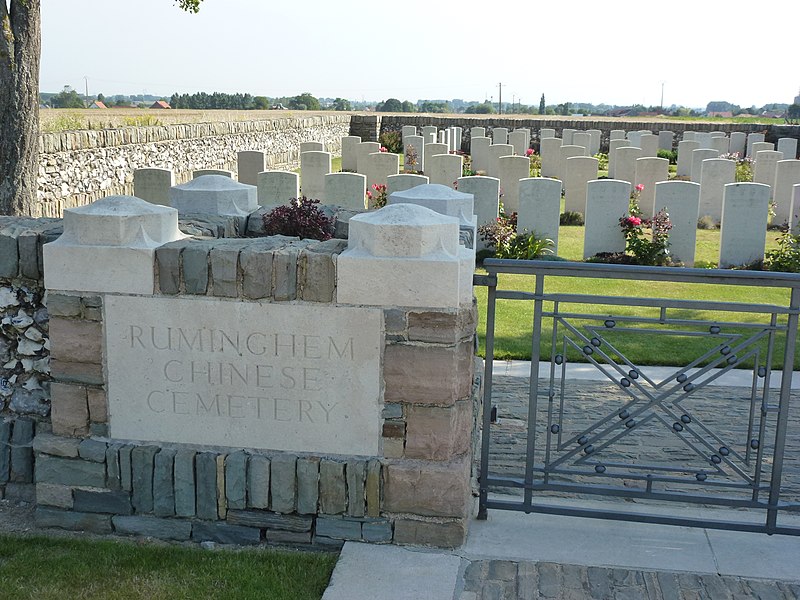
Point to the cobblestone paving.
(508, 580)
(724, 410)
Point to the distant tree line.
(239, 101)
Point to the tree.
(409, 106)
(342, 104)
(542, 106)
(304, 101)
(261, 103)
(67, 98)
(390, 105)
(485, 108)
(20, 52)
(793, 112)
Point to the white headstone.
(568, 152)
(510, 170)
(649, 145)
(479, 147)
(204, 172)
(766, 164)
(477, 132)
(486, 194)
(546, 132)
(684, 166)
(456, 138)
(788, 146)
(429, 150)
(715, 174)
(596, 135)
(690, 136)
(494, 153)
(787, 174)
(445, 169)
(540, 208)
(314, 165)
(625, 163)
(404, 181)
(583, 139)
(698, 156)
(704, 137)
(214, 195)
(312, 147)
(617, 134)
(682, 201)
(499, 135)
(379, 165)
(363, 150)
(665, 140)
(429, 133)
(566, 136)
(153, 185)
(441, 138)
(346, 189)
(649, 171)
(577, 174)
(350, 152)
(743, 229)
(607, 201)
(109, 246)
(408, 130)
(405, 255)
(757, 147)
(721, 144)
(277, 187)
(753, 138)
(250, 164)
(414, 152)
(518, 141)
(550, 152)
(635, 138)
(612, 154)
(738, 143)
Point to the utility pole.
(662, 95)
(86, 81)
(513, 98)
(500, 100)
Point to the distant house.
(160, 104)
(725, 114)
(97, 104)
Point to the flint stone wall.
(78, 167)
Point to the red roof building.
(160, 104)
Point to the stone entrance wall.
(409, 482)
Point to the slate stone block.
(46, 443)
(5, 451)
(332, 487)
(376, 532)
(283, 484)
(155, 527)
(206, 485)
(142, 473)
(113, 481)
(307, 486)
(356, 474)
(163, 486)
(195, 267)
(284, 269)
(258, 482)
(338, 528)
(22, 451)
(67, 471)
(223, 533)
(184, 483)
(61, 305)
(235, 480)
(276, 536)
(224, 271)
(92, 450)
(125, 471)
(168, 258)
(115, 503)
(75, 521)
(269, 520)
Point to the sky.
(620, 52)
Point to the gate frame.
(542, 268)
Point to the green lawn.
(44, 568)
(514, 318)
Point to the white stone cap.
(214, 194)
(404, 231)
(440, 198)
(124, 221)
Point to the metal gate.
(651, 447)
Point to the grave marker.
(606, 202)
(744, 220)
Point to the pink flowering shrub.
(652, 251)
(377, 197)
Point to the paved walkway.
(514, 556)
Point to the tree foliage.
(67, 98)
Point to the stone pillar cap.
(404, 230)
(216, 195)
(440, 198)
(120, 221)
